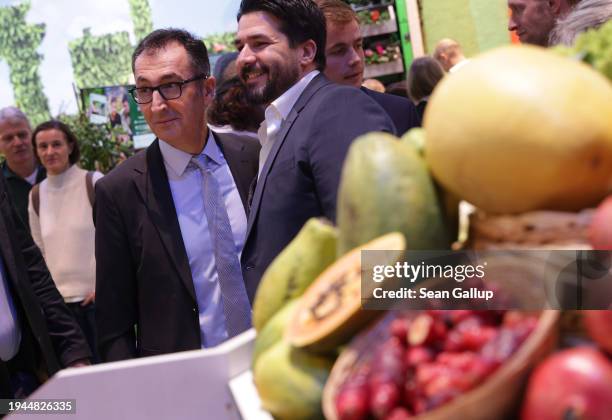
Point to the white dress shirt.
(276, 113)
(187, 193)
(458, 66)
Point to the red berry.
(426, 330)
(502, 346)
(474, 339)
(352, 402)
(399, 328)
(417, 355)
(399, 413)
(459, 315)
(384, 397)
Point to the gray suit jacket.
(300, 177)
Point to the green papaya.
(330, 312)
(386, 187)
(273, 331)
(416, 138)
(292, 271)
(290, 381)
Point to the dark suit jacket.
(19, 189)
(402, 111)
(300, 177)
(50, 335)
(142, 270)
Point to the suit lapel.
(155, 190)
(280, 139)
(317, 83)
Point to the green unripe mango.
(273, 331)
(294, 269)
(290, 381)
(386, 187)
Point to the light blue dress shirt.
(186, 184)
(10, 333)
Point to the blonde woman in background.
(60, 214)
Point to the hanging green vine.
(18, 44)
(101, 60)
(141, 17)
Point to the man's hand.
(79, 363)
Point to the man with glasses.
(171, 221)
(20, 167)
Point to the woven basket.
(499, 395)
(496, 398)
(532, 230)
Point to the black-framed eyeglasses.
(172, 90)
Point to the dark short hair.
(423, 76)
(230, 107)
(158, 39)
(300, 20)
(70, 138)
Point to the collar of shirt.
(178, 160)
(458, 65)
(32, 178)
(280, 108)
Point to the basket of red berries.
(439, 365)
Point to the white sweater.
(64, 232)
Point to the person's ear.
(555, 6)
(209, 86)
(308, 51)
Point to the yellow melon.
(519, 129)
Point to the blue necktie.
(236, 306)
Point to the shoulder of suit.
(331, 93)
(250, 143)
(387, 98)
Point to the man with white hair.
(20, 167)
(533, 20)
(588, 14)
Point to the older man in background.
(20, 167)
(533, 20)
(588, 14)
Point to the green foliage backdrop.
(220, 43)
(141, 17)
(100, 149)
(101, 60)
(18, 44)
